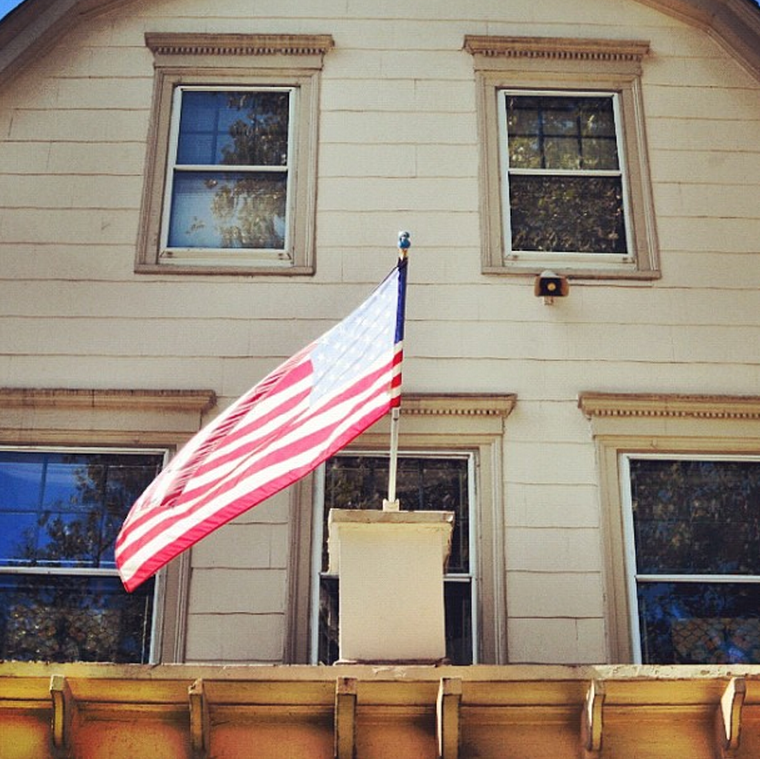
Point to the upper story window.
(231, 168)
(60, 596)
(564, 174)
(563, 169)
(229, 177)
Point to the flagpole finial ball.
(404, 241)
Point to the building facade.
(193, 192)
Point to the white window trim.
(570, 258)
(318, 537)
(174, 256)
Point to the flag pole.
(391, 503)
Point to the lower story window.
(60, 596)
(441, 482)
(694, 538)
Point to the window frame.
(635, 578)
(231, 62)
(116, 419)
(79, 571)
(458, 423)
(598, 260)
(564, 67)
(319, 537)
(622, 424)
(177, 255)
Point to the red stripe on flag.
(275, 434)
(267, 457)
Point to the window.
(564, 176)
(679, 485)
(231, 168)
(694, 528)
(441, 482)
(227, 186)
(563, 170)
(71, 432)
(453, 447)
(60, 596)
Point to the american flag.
(284, 427)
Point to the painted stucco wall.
(398, 149)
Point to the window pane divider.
(566, 172)
(749, 579)
(60, 571)
(225, 168)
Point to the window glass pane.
(699, 623)
(457, 599)
(18, 537)
(561, 133)
(20, 482)
(567, 214)
(68, 618)
(328, 646)
(696, 517)
(80, 501)
(228, 210)
(234, 128)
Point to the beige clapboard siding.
(574, 640)
(239, 579)
(568, 594)
(557, 549)
(230, 638)
(708, 135)
(536, 380)
(553, 506)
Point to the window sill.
(534, 268)
(185, 269)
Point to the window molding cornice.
(655, 405)
(192, 401)
(458, 404)
(556, 48)
(172, 44)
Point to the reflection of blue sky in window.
(20, 485)
(65, 510)
(234, 128)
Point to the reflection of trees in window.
(61, 513)
(696, 531)
(565, 184)
(213, 207)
